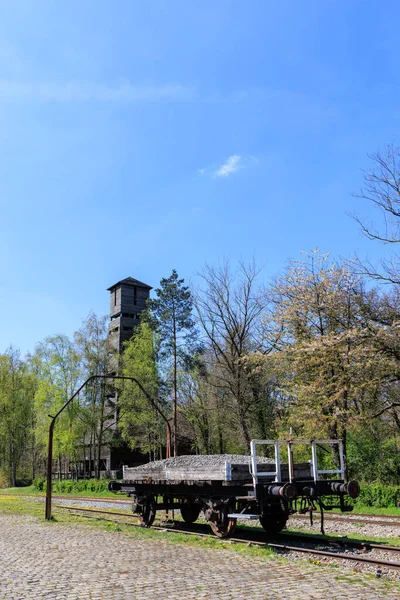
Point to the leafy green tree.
(327, 363)
(138, 421)
(57, 363)
(17, 388)
(97, 407)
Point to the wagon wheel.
(147, 511)
(221, 525)
(190, 511)
(273, 523)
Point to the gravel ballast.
(200, 461)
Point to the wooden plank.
(239, 472)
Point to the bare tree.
(229, 308)
(382, 189)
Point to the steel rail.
(89, 499)
(332, 541)
(96, 510)
(372, 521)
(273, 545)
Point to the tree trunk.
(33, 465)
(175, 395)
(91, 454)
(99, 443)
(244, 429)
(242, 419)
(12, 464)
(84, 459)
(396, 418)
(220, 439)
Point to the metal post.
(277, 462)
(342, 460)
(49, 470)
(253, 453)
(290, 456)
(168, 448)
(168, 455)
(314, 460)
(290, 461)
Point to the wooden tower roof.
(130, 281)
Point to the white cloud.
(231, 165)
(86, 91)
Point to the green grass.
(393, 511)
(17, 491)
(32, 491)
(360, 509)
(12, 504)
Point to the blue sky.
(138, 137)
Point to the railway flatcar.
(226, 488)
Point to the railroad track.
(254, 538)
(90, 499)
(372, 520)
(352, 518)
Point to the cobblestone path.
(71, 562)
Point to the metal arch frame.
(53, 422)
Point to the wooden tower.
(128, 299)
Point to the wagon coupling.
(287, 490)
(352, 488)
(114, 486)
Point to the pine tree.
(171, 313)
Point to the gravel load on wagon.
(208, 467)
(200, 461)
(197, 467)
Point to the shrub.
(39, 483)
(4, 480)
(67, 486)
(378, 495)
